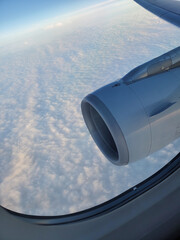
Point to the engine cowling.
(139, 114)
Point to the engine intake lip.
(105, 130)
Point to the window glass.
(49, 165)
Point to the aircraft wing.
(168, 10)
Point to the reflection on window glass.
(49, 165)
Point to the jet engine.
(139, 114)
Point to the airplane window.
(51, 58)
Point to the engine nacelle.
(131, 118)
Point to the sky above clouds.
(49, 165)
(18, 15)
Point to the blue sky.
(21, 14)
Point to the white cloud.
(59, 24)
(52, 26)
